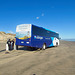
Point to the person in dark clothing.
(12, 44)
(9, 44)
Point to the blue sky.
(56, 15)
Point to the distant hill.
(5, 36)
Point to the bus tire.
(56, 44)
(44, 47)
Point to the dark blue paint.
(34, 42)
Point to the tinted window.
(42, 32)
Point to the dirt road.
(52, 61)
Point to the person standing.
(9, 44)
(12, 44)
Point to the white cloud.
(42, 14)
(37, 17)
(11, 32)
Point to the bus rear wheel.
(44, 47)
(16, 47)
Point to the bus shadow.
(27, 49)
(50, 47)
(32, 49)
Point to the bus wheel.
(56, 44)
(44, 47)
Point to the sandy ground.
(52, 61)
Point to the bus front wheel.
(44, 47)
(56, 44)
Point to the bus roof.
(46, 29)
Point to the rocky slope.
(5, 36)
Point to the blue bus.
(36, 37)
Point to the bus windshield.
(23, 31)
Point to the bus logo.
(38, 37)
